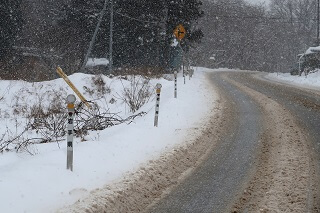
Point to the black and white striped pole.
(191, 72)
(70, 101)
(175, 84)
(156, 116)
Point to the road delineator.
(156, 116)
(70, 132)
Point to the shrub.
(137, 93)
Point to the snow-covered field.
(41, 182)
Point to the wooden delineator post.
(66, 79)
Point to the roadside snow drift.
(311, 81)
(41, 183)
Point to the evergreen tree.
(184, 12)
(137, 33)
(10, 24)
(77, 28)
(146, 29)
(142, 30)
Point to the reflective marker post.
(175, 84)
(191, 72)
(156, 116)
(71, 99)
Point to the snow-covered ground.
(311, 81)
(97, 61)
(41, 182)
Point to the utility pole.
(94, 35)
(166, 54)
(318, 23)
(163, 38)
(111, 37)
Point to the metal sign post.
(156, 116)
(70, 101)
(175, 84)
(183, 67)
(180, 32)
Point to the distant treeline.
(259, 37)
(39, 35)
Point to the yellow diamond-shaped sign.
(179, 32)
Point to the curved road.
(246, 151)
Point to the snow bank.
(218, 69)
(97, 61)
(41, 183)
(311, 81)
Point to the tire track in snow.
(285, 179)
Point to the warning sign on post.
(179, 32)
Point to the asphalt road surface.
(247, 153)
